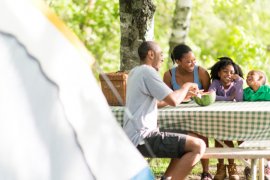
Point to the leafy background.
(235, 28)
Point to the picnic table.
(222, 120)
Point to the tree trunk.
(181, 22)
(91, 4)
(136, 24)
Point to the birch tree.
(181, 22)
(136, 24)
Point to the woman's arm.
(167, 77)
(204, 78)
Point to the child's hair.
(223, 62)
(263, 76)
(179, 51)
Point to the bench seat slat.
(236, 153)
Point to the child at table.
(257, 90)
(227, 82)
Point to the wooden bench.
(241, 153)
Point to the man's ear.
(151, 54)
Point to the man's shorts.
(163, 144)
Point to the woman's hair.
(222, 63)
(179, 51)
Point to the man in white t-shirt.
(145, 89)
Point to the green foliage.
(162, 31)
(158, 165)
(97, 25)
(226, 28)
(235, 28)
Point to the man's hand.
(191, 86)
(177, 96)
(193, 89)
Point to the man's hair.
(145, 47)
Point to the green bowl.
(206, 98)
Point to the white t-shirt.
(144, 88)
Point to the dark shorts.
(163, 145)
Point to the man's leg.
(179, 168)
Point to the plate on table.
(186, 101)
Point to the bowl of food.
(205, 98)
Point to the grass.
(159, 165)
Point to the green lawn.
(159, 165)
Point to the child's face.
(226, 75)
(253, 78)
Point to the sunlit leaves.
(235, 28)
(96, 25)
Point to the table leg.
(254, 169)
(261, 169)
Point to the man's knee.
(201, 145)
(196, 145)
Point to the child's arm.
(224, 98)
(267, 94)
(215, 85)
(238, 85)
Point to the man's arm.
(176, 97)
(161, 104)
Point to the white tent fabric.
(54, 120)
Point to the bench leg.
(245, 162)
(261, 169)
(254, 169)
